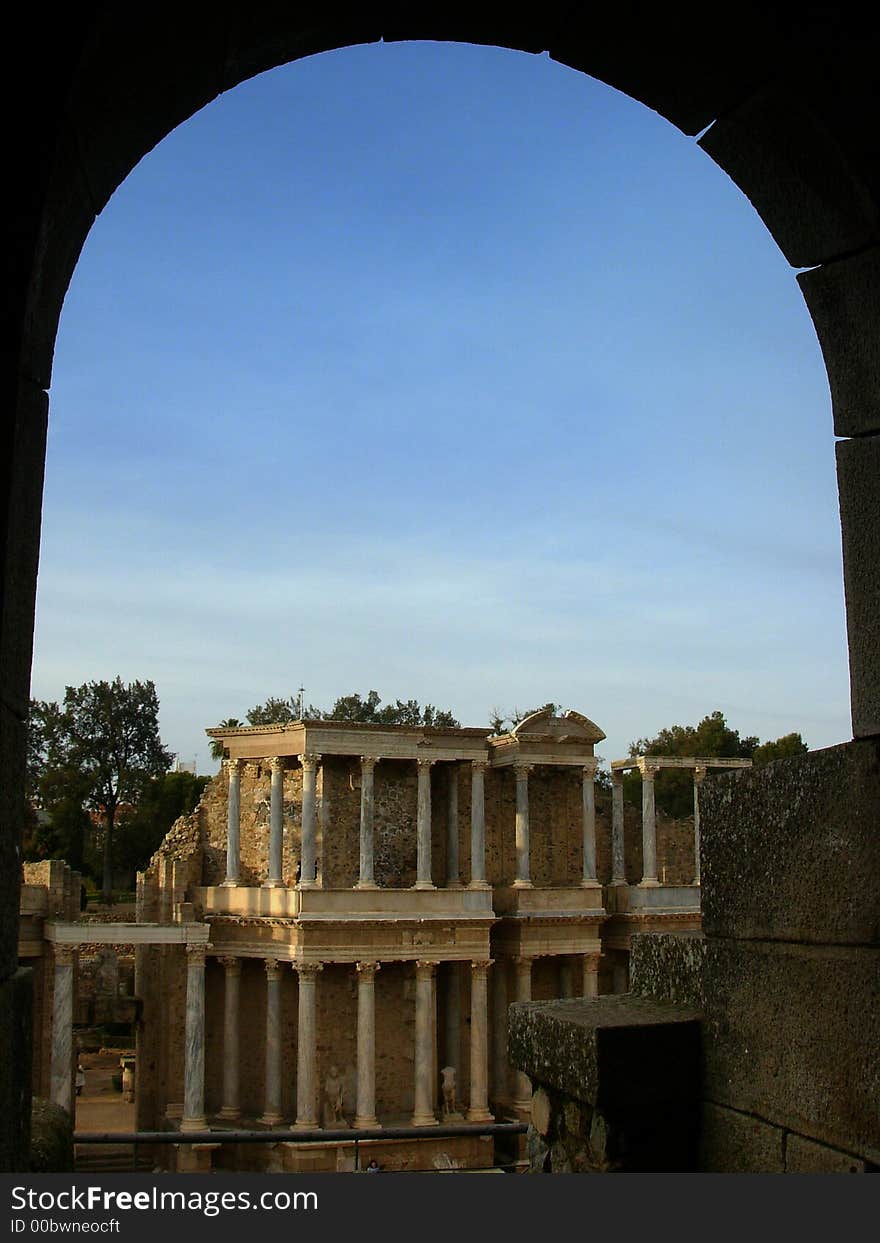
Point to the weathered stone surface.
(51, 1138)
(844, 301)
(791, 1034)
(804, 1156)
(738, 1143)
(16, 1040)
(669, 967)
(858, 482)
(792, 850)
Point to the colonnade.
(424, 1087)
(310, 762)
(648, 773)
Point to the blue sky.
(449, 372)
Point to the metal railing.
(348, 1136)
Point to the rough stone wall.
(395, 799)
(341, 807)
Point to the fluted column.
(194, 1041)
(423, 826)
(589, 879)
(276, 823)
(453, 880)
(231, 1107)
(366, 1046)
(649, 827)
(233, 820)
(618, 857)
(478, 824)
(523, 876)
(61, 1073)
(366, 878)
(478, 1110)
(523, 1087)
(272, 1099)
(306, 1082)
(699, 775)
(307, 874)
(500, 1069)
(423, 1113)
(591, 975)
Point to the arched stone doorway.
(785, 100)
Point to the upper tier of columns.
(308, 874)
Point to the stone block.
(737, 1143)
(795, 173)
(792, 851)
(844, 301)
(16, 1041)
(791, 1034)
(858, 482)
(668, 967)
(804, 1156)
(51, 1138)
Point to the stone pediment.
(570, 727)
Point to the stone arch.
(785, 99)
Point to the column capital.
(276, 763)
(480, 766)
(310, 759)
(591, 962)
(425, 967)
(308, 968)
(617, 776)
(522, 768)
(700, 772)
(648, 770)
(479, 966)
(424, 762)
(65, 955)
(233, 767)
(231, 963)
(367, 968)
(524, 960)
(273, 968)
(197, 953)
(590, 768)
(370, 761)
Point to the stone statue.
(333, 1089)
(449, 1103)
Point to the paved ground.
(100, 1107)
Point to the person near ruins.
(80, 1078)
(374, 1167)
(333, 1097)
(449, 1103)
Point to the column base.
(306, 884)
(522, 884)
(648, 882)
(271, 1119)
(479, 884)
(479, 1115)
(193, 1124)
(307, 1124)
(454, 884)
(619, 880)
(423, 1120)
(230, 884)
(424, 884)
(590, 883)
(229, 1113)
(273, 884)
(367, 1124)
(366, 884)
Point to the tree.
(162, 801)
(104, 744)
(355, 707)
(782, 749)
(231, 722)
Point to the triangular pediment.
(571, 726)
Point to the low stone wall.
(51, 1138)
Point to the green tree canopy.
(782, 749)
(101, 748)
(162, 801)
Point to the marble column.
(500, 1069)
(306, 1080)
(194, 1041)
(618, 863)
(699, 776)
(452, 1038)
(61, 1072)
(523, 878)
(591, 975)
(649, 827)
(276, 823)
(589, 879)
(423, 1113)
(478, 824)
(478, 1109)
(231, 1107)
(233, 819)
(423, 826)
(272, 1099)
(365, 1118)
(307, 873)
(522, 1093)
(453, 880)
(366, 878)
